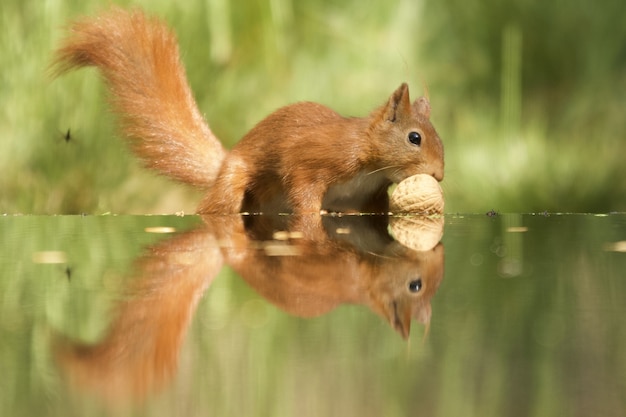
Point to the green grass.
(528, 97)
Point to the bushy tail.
(139, 60)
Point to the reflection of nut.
(420, 233)
(417, 194)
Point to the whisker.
(383, 168)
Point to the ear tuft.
(422, 106)
(399, 103)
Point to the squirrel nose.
(438, 174)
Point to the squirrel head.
(403, 138)
(402, 287)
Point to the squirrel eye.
(415, 285)
(415, 138)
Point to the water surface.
(516, 315)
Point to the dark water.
(512, 315)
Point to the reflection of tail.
(140, 352)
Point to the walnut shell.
(420, 233)
(417, 194)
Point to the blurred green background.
(528, 95)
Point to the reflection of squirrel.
(305, 152)
(139, 353)
(361, 265)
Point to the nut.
(417, 194)
(420, 233)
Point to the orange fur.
(139, 60)
(303, 158)
(139, 354)
(317, 273)
(314, 273)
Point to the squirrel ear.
(422, 106)
(399, 103)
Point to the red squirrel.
(304, 157)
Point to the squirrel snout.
(438, 174)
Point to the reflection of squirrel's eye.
(415, 285)
(415, 138)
